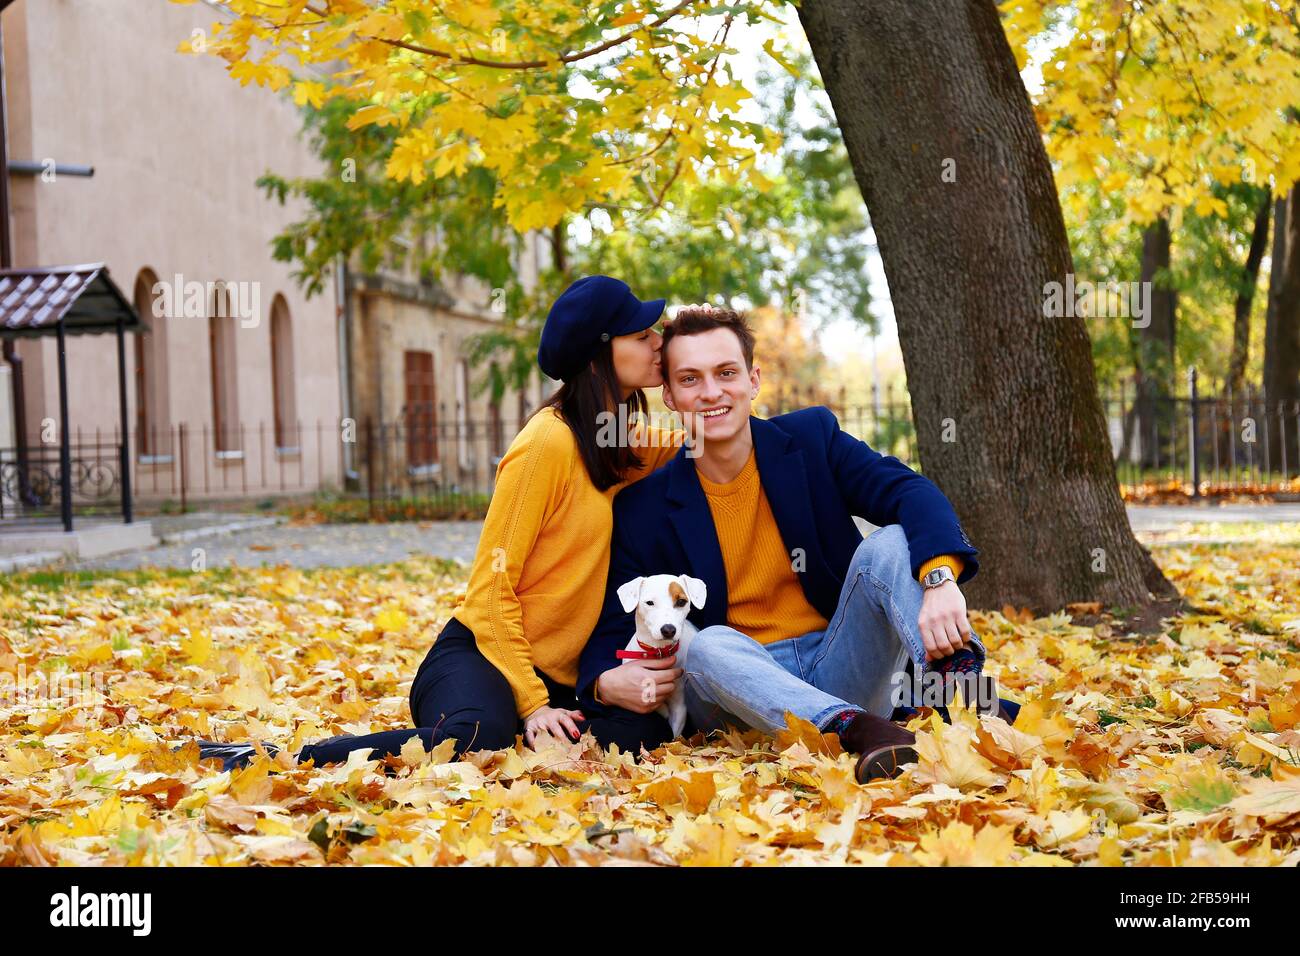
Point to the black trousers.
(458, 693)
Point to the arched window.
(282, 382)
(152, 414)
(221, 353)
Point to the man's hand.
(639, 685)
(556, 721)
(943, 624)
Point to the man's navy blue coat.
(816, 479)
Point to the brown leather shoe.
(883, 744)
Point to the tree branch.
(527, 64)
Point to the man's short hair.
(694, 319)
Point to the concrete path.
(311, 546)
(1169, 517)
(268, 543)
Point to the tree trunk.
(1246, 297)
(1282, 330)
(1126, 443)
(944, 146)
(1156, 350)
(559, 247)
(1235, 383)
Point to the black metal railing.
(442, 463)
(31, 479)
(1204, 444)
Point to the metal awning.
(60, 301)
(33, 301)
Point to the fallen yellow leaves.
(1181, 747)
(948, 756)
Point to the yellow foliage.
(491, 83)
(1161, 101)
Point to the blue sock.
(840, 721)
(962, 662)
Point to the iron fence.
(442, 463)
(31, 477)
(1204, 444)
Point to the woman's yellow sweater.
(538, 580)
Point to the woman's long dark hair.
(580, 402)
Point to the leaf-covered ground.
(1179, 748)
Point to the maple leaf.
(197, 648)
(959, 844)
(224, 811)
(712, 844)
(1111, 800)
(1274, 800)
(1060, 827)
(695, 791)
(309, 92)
(948, 756)
(253, 783)
(1007, 746)
(804, 732)
(391, 620)
(280, 849)
(1204, 790)
(837, 838)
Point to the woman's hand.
(556, 721)
(943, 623)
(639, 685)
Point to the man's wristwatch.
(938, 576)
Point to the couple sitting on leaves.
(803, 614)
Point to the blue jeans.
(857, 662)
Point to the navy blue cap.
(588, 313)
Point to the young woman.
(507, 659)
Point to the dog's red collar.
(648, 652)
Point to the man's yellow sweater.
(536, 586)
(764, 597)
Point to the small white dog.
(662, 602)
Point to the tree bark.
(1246, 297)
(925, 89)
(1282, 329)
(1126, 442)
(559, 247)
(1156, 349)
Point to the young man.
(802, 614)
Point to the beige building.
(241, 376)
(409, 370)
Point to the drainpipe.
(344, 313)
(7, 262)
